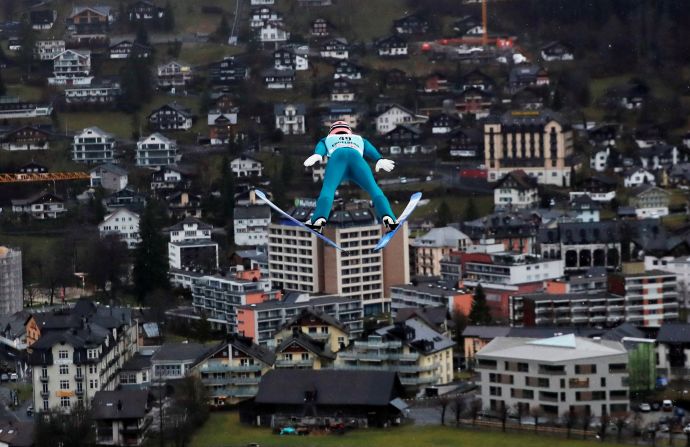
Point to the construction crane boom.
(43, 177)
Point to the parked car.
(395, 150)
(645, 407)
(667, 405)
(14, 377)
(4, 377)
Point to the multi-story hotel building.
(554, 375)
(651, 296)
(538, 142)
(299, 262)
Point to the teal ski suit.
(347, 155)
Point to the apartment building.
(555, 375)
(431, 248)
(299, 262)
(124, 224)
(250, 225)
(516, 190)
(429, 292)
(71, 67)
(538, 142)
(11, 285)
(47, 50)
(583, 245)
(41, 206)
(508, 273)
(103, 91)
(232, 371)
(155, 151)
(220, 296)
(191, 246)
(14, 108)
(262, 321)
(651, 296)
(121, 417)
(176, 360)
(93, 145)
(568, 309)
(421, 356)
(301, 351)
(79, 353)
(319, 326)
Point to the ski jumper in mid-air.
(347, 153)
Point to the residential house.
(136, 372)
(299, 350)
(41, 206)
(250, 224)
(603, 134)
(32, 168)
(436, 83)
(429, 249)
(191, 246)
(403, 134)
(599, 157)
(599, 187)
(109, 177)
(278, 79)
(125, 198)
(595, 371)
(673, 350)
(246, 167)
(529, 98)
(318, 325)
(291, 57)
(80, 351)
(320, 28)
(103, 91)
(290, 118)
(549, 157)
(173, 75)
(121, 417)
(680, 174)
(411, 24)
(71, 67)
(586, 208)
(649, 201)
(476, 79)
(259, 16)
(365, 398)
(26, 138)
(474, 101)
(516, 190)
(660, 156)
(122, 223)
(350, 113)
(229, 71)
(525, 75)
(630, 96)
(176, 360)
(47, 50)
(442, 123)
(126, 49)
(394, 115)
(466, 144)
(221, 123)
(421, 356)
(557, 51)
(347, 70)
(172, 116)
(42, 19)
(143, 11)
(232, 371)
(13, 108)
(392, 46)
(169, 178)
(183, 204)
(155, 151)
(273, 31)
(342, 90)
(314, 3)
(637, 177)
(335, 48)
(90, 15)
(92, 145)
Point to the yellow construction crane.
(43, 177)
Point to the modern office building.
(554, 375)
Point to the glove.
(312, 159)
(385, 164)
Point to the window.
(64, 384)
(64, 402)
(93, 384)
(63, 354)
(64, 369)
(92, 354)
(46, 405)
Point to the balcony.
(245, 380)
(413, 381)
(44, 379)
(223, 367)
(547, 397)
(45, 394)
(78, 377)
(378, 345)
(79, 392)
(365, 357)
(295, 363)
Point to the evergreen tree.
(25, 56)
(287, 171)
(227, 195)
(444, 215)
(223, 30)
(168, 17)
(137, 84)
(142, 36)
(151, 255)
(471, 212)
(3, 89)
(480, 313)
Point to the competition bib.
(334, 142)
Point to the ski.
(386, 238)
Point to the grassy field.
(457, 205)
(224, 430)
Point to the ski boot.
(316, 225)
(389, 223)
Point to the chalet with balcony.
(172, 116)
(41, 206)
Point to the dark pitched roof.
(180, 352)
(251, 212)
(308, 343)
(179, 226)
(624, 330)
(521, 179)
(486, 331)
(674, 333)
(435, 317)
(137, 362)
(246, 345)
(332, 387)
(42, 16)
(310, 313)
(42, 196)
(17, 434)
(122, 404)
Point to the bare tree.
(603, 426)
(443, 401)
(475, 408)
(586, 419)
(637, 426)
(570, 419)
(458, 409)
(536, 413)
(504, 416)
(520, 412)
(620, 420)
